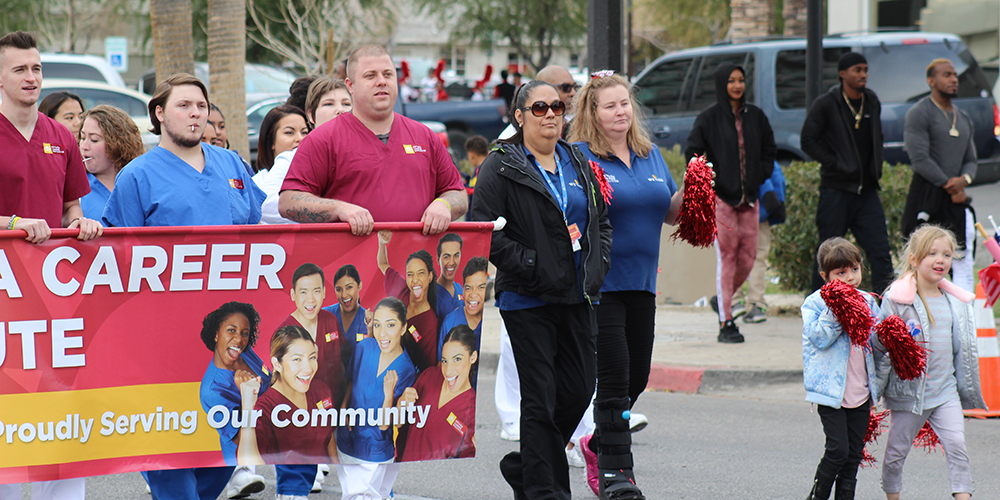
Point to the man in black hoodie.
(737, 139)
(843, 133)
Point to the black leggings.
(625, 322)
(845, 430)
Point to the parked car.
(80, 67)
(262, 81)
(93, 93)
(678, 86)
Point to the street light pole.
(814, 50)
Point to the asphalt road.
(741, 445)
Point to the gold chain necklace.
(857, 114)
(954, 118)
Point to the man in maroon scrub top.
(373, 165)
(42, 178)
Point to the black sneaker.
(729, 333)
(714, 303)
(756, 315)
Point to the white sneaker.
(317, 486)
(573, 456)
(244, 483)
(637, 422)
(324, 468)
(510, 431)
(290, 497)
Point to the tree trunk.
(226, 62)
(750, 18)
(794, 13)
(173, 45)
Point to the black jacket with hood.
(533, 253)
(714, 135)
(828, 139)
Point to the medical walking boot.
(614, 450)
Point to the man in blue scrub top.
(184, 182)
(449, 293)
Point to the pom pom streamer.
(696, 219)
(607, 192)
(927, 438)
(909, 360)
(876, 424)
(851, 310)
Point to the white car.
(92, 93)
(80, 67)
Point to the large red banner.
(125, 353)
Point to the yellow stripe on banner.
(55, 427)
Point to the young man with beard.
(938, 138)
(843, 132)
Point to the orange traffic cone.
(989, 357)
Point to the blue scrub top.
(641, 200)
(369, 442)
(354, 333)
(219, 388)
(576, 213)
(446, 302)
(160, 189)
(93, 202)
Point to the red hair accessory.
(851, 310)
(696, 219)
(909, 360)
(602, 181)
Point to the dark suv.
(679, 85)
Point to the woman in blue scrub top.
(551, 258)
(109, 140)
(610, 132)
(350, 315)
(230, 332)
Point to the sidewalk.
(687, 357)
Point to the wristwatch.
(968, 178)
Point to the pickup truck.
(462, 118)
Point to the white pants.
(367, 481)
(962, 269)
(507, 393)
(586, 425)
(949, 424)
(63, 489)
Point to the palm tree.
(226, 62)
(173, 46)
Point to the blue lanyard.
(563, 200)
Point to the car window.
(74, 71)
(661, 88)
(93, 97)
(705, 88)
(267, 80)
(255, 118)
(898, 73)
(790, 75)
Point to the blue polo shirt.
(641, 200)
(576, 213)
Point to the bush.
(794, 243)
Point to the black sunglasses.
(567, 87)
(540, 108)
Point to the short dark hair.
(210, 325)
(269, 131)
(307, 269)
(50, 105)
(477, 264)
(836, 253)
(163, 91)
(18, 40)
(503, 74)
(298, 90)
(932, 67)
(447, 238)
(395, 305)
(478, 144)
(347, 270)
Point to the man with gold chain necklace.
(938, 138)
(843, 133)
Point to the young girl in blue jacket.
(840, 378)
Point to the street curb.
(691, 379)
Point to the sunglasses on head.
(541, 108)
(568, 87)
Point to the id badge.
(574, 236)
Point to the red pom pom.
(867, 460)
(875, 425)
(926, 438)
(602, 181)
(851, 310)
(696, 219)
(909, 360)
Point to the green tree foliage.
(794, 243)
(532, 28)
(675, 24)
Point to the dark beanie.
(850, 59)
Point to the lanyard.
(563, 200)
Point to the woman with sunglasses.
(609, 130)
(551, 258)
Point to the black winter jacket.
(827, 138)
(533, 253)
(714, 135)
